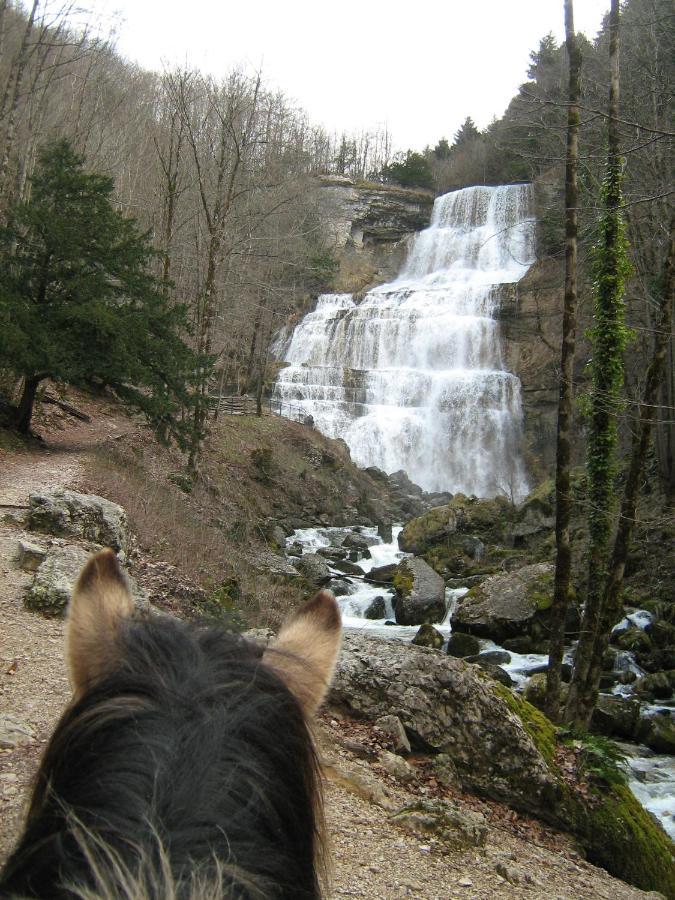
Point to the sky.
(419, 68)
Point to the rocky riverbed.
(499, 625)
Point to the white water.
(412, 377)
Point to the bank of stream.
(368, 605)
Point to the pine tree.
(78, 301)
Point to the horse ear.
(100, 601)
(306, 650)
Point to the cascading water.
(412, 377)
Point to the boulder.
(428, 636)
(396, 766)
(85, 516)
(420, 593)
(616, 717)
(30, 556)
(347, 567)
(14, 733)
(446, 706)
(332, 553)
(463, 645)
(393, 728)
(359, 542)
(535, 690)
(658, 733)
(435, 525)
(314, 568)
(55, 579)
(496, 672)
(456, 827)
(523, 644)
(504, 606)
(491, 657)
(377, 609)
(463, 517)
(340, 587)
(657, 686)
(385, 574)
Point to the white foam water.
(412, 377)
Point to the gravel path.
(371, 858)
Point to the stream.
(651, 775)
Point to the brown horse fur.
(184, 766)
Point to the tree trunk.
(563, 565)
(607, 370)
(24, 411)
(612, 606)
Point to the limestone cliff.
(369, 226)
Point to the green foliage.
(322, 267)
(409, 170)
(221, 605)
(600, 757)
(77, 299)
(442, 149)
(609, 336)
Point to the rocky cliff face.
(531, 317)
(369, 226)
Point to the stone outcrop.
(445, 706)
(314, 568)
(56, 576)
(420, 593)
(84, 516)
(505, 606)
(369, 225)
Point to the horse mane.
(188, 771)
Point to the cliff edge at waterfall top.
(412, 377)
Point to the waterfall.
(412, 377)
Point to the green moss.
(620, 835)
(540, 592)
(541, 730)
(403, 581)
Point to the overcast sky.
(420, 67)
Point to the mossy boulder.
(463, 645)
(462, 516)
(420, 593)
(377, 609)
(618, 834)
(658, 733)
(428, 636)
(613, 828)
(508, 605)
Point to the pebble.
(465, 881)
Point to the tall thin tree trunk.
(608, 345)
(10, 100)
(612, 607)
(563, 565)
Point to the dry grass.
(194, 532)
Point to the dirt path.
(372, 859)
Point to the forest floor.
(370, 856)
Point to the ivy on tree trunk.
(608, 336)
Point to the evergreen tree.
(409, 170)
(466, 134)
(78, 301)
